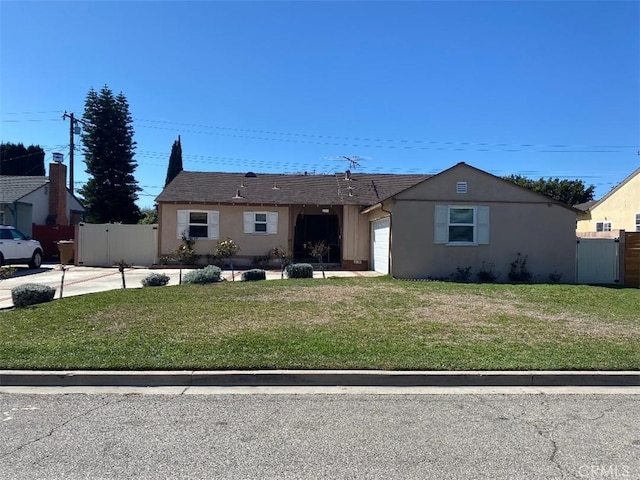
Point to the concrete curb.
(318, 378)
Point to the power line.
(32, 113)
(32, 120)
(465, 145)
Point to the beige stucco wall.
(520, 222)
(231, 226)
(620, 209)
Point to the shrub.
(461, 274)
(486, 273)
(254, 274)
(555, 277)
(155, 280)
(6, 272)
(519, 271)
(31, 294)
(185, 254)
(299, 270)
(209, 274)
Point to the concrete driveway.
(83, 280)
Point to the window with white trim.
(199, 224)
(637, 222)
(461, 225)
(603, 226)
(265, 223)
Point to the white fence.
(101, 245)
(598, 261)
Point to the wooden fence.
(632, 259)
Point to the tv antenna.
(354, 161)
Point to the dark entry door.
(314, 228)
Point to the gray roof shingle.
(13, 188)
(285, 189)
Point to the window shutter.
(440, 230)
(483, 225)
(214, 224)
(272, 222)
(249, 222)
(183, 223)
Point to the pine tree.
(108, 147)
(175, 162)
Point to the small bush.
(519, 271)
(209, 274)
(555, 277)
(486, 273)
(299, 270)
(253, 275)
(31, 294)
(6, 272)
(461, 274)
(155, 280)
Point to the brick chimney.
(57, 194)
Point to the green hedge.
(299, 270)
(31, 294)
(209, 274)
(253, 275)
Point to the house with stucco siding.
(617, 210)
(409, 226)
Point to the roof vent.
(347, 175)
(275, 186)
(250, 175)
(241, 183)
(238, 194)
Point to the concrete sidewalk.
(80, 280)
(318, 378)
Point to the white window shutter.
(214, 224)
(440, 225)
(272, 222)
(483, 225)
(183, 223)
(249, 222)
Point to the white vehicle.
(17, 248)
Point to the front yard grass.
(346, 323)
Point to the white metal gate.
(101, 245)
(598, 261)
(380, 230)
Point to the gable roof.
(285, 189)
(13, 187)
(499, 179)
(613, 190)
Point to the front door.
(311, 229)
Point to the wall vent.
(461, 187)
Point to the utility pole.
(73, 129)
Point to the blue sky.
(541, 88)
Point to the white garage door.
(380, 234)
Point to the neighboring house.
(617, 210)
(25, 201)
(412, 226)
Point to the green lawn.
(347, 323)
